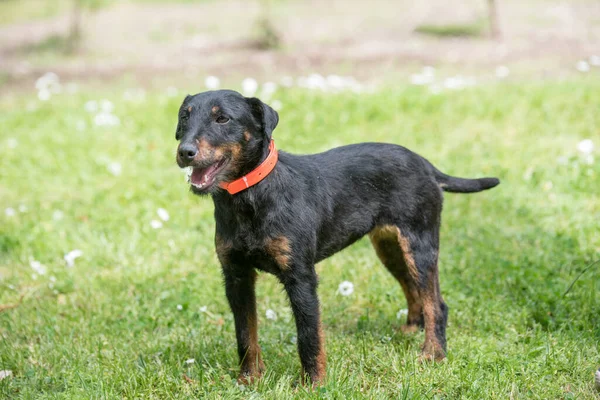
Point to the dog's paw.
(432, 352)
(409, 329)
(246, 378)
(251, 375)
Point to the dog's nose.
(187, 152)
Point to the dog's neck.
(255, 158)
(251, 162)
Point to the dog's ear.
(264, 115)
(183, 116)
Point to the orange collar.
(254, 176)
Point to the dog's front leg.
(239, 287)
(301, 287)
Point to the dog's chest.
(251, 243)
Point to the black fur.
(311, 207)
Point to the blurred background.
(185, 41)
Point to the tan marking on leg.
(321, 362)
(190, 109)
(247, 136)
(385, 232)
(215, 109)
(415, 308)
(394, 252)
(408, 257)
(432, 348)
(321, 358)
(279, 248)
(252, 365)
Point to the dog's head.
(222, 136)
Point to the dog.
(283, 213)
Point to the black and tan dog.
(284, 215)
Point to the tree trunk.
(493, 19)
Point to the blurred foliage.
(472, 29)
(267, 36)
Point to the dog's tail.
(461, 185)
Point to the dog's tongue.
(203, 176)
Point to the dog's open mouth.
(203, 178)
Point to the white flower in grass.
(106, 106)
(249, 86)
(420, 79)
(346, 288)
(336, 81)
(402, 312)
(156, 224)
(212, 82)
(277, 105)
(71, 256)
(38, 267)
(203, 309)
(44, 95)
(267, 90)
(163, 214)
(6, 373)
(586, 146)
(12, 143)
(502, 71)
(583, 66)
(44, 81)
(190, 361)
(316, 81)
(91, 106)
(115, 168)
(10, 212)
(595, 60)
(271, 314)
(458, 82)
(106, 119)
(179, 307)
(57, 215)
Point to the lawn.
(142, 312)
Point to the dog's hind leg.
(419, 271)
(421, 251)
(386, 240)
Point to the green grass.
(473, 29)
(110, 327)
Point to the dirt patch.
(363, 38)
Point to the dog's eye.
(222, 120)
